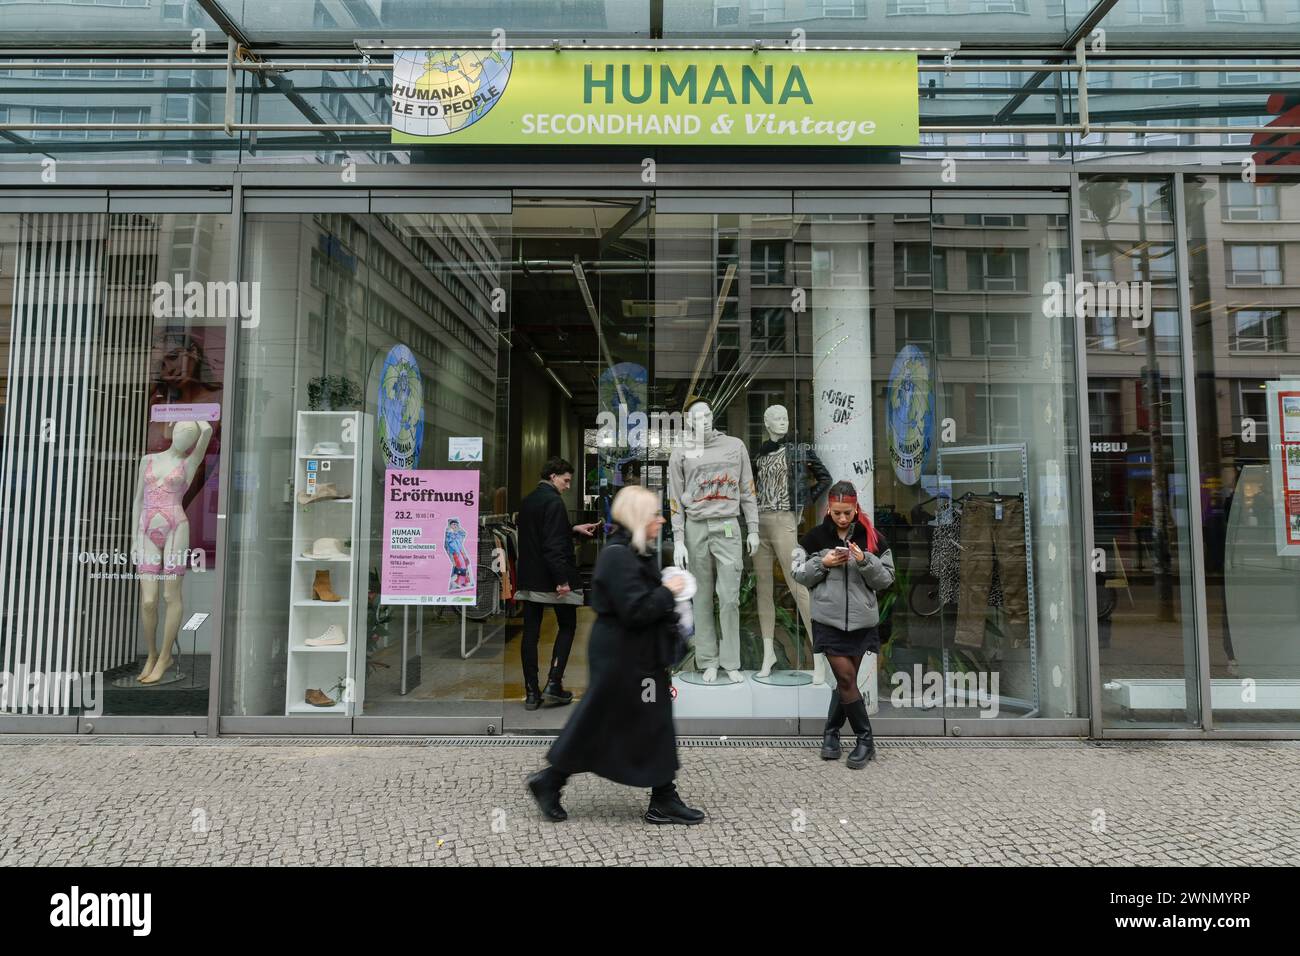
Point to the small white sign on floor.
(195, 622)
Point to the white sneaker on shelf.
(333, 636)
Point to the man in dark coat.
(546, 575)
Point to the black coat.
(545, 542)
(622, 729)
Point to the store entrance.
(579, 319)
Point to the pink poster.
(430, 546)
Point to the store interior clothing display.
(978, 556)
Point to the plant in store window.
(329, 393)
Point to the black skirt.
(833, 640)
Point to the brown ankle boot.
(322, 589)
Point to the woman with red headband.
(843, 562)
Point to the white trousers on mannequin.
(777, 537)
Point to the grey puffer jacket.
(843, 596)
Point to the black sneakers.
(668, 808)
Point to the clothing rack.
(1019, 450)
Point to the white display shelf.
(306, 708)
(322, 668)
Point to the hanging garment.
(992, 534)
(945, 550)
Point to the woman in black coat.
(622, 729)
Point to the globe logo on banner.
(401, 408)
(440, 92)
(909, 413)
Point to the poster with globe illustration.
(909, 413)
(440, 92)
(400, 405)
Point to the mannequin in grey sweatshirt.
(709, 483)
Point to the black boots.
(554, 693)
(532, 696)
(831, 735)
(865, 749)
(545, 786)
(667, 807)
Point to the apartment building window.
(767, 330)
(1105, 407)
(996, 413)
(848, 265)
(999, 146)
(999, 335)
(999, 6)
(1254, 265)
(726, 13)
(767, 11)
(1161, 138)
(1236, 11)
(912, 265)
(1148, 197)
(1248, 78)
(105, 115)
(996, 220)
(927, 331)
(844, 8)
(916, 8)
(997, 270)
(768, 259)
(1155, 264)
(1101, 333)
(1165, 322)
(1258, 330)
(1156, 12)
(1098, 263)
(1250, 202)
(1242, 139)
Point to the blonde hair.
(635, 506)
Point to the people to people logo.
(440, 92)
(909, 416)
(401, 408)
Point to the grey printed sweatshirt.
(715, 483)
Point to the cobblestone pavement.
(225, 801)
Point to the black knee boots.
(831, 734)
(865, 749)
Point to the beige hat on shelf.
(325, 548)
(325, 492)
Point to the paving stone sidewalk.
(234, 802)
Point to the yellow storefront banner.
(650, 98)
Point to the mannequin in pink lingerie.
(161, 534)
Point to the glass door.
(581, 306)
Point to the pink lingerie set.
(162, 496)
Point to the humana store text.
(295, 311)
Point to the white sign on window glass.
(465, 449)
